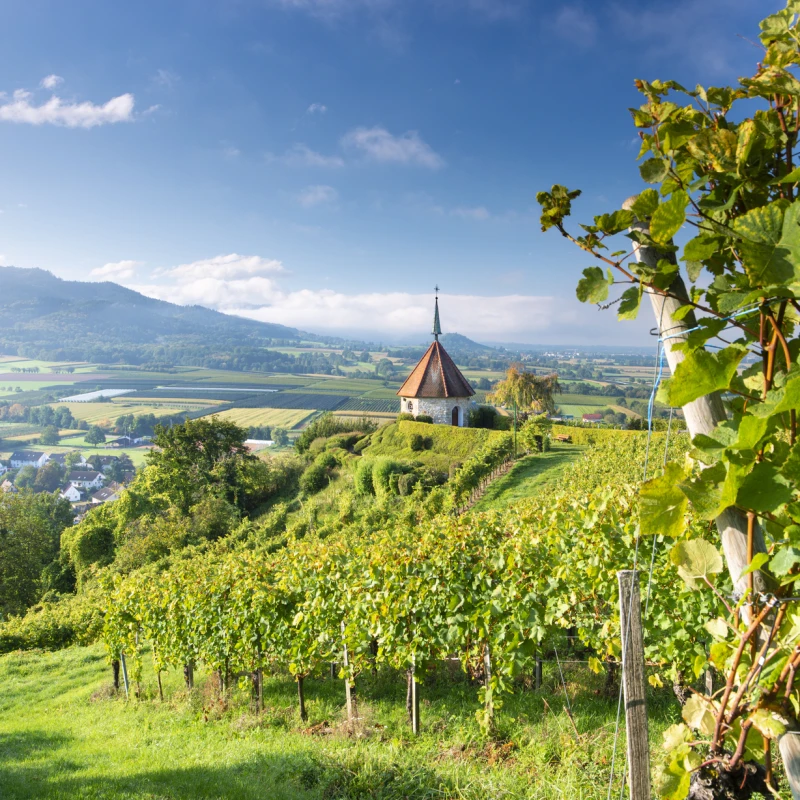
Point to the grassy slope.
(528, 476)
(62, 735)
(447, 444)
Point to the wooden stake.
(414, 701)
(160, 687)
(630, 612)
(348, 689)
(125, 675)
(538, 674)
(301, 698)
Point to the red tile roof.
(436, 375)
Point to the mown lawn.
(64, 734)
(528, 476)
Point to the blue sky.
(323, 163)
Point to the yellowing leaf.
(697, 715)
(696, 560)
(662, 504)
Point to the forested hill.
(42, 315)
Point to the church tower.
(436, 387)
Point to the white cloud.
(68, 114)
(576, 24)
(300, 155)
(166, 78)
(224, 268)
(478, 213)
(116, 270)
(214, 292)
(317, 195)
(377, 144)
(316, 108)
(3, 260)
(51, 81)
(230, 151)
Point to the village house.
(436, 387)
(86, 480)
(593, 418)
(28, 458)
(107, 495)
(72, 493)
(127, 441)
(61, 458)
(6, 486)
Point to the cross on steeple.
(437, 328)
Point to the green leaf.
(769, 242)
(790, 177)
(654, 170)
(697, 714)
(645, 204)
(784, 560)
(702, 247)
(702, 372)
(786, 398)
(629, 303)
(718, 628)
(759, 559)
(614, 223)
(662, 504)
(706, 492)
(696, 559)
(675, 736)
(768, 723)
(751, 430)
(744, 144)
(668, 217)
(764, 489)
(593, 286)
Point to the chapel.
(436, 387)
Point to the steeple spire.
(437, 328)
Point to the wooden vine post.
(702, 416)
(414, 699)
(633, 682)
(124, 665)
(348, 687)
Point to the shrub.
(503, 423)
(314, 479)
(327, 425)
(424, 418)
(361, 444)
(405, 415)
(406, 483)
(416, 441)
(362, 480)
(482, 417)
(382, 474)
(326, 460)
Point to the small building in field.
(107, 495)
(436, 387)
(594, 418)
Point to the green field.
(528, 476)
(64, 735)
(577, 411)
(95, 413)
(275, 417)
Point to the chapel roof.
(436, 375)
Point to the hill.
(456, 343)
(40, 312)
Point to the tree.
(727, 172)
(30, 526)
(95, 436)
(48, 477)
(365, 357)
(25, 477)
(197, 456)
(280, 437)
(526, 390)
(49, 435)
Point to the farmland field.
(95, 412)
(578, 410)
(275, 417)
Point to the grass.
(64, 734)
(529, 476)
(578, 410)
(280, 417)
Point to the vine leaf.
(696, 560)
(645, 204)
(654, 170)
(593, 286)
(764, 489)
(768, 723)
(701, 373)
(662, 504)
(697, 714)
(668, 218)
(784, 560)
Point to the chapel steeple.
(437, 328)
